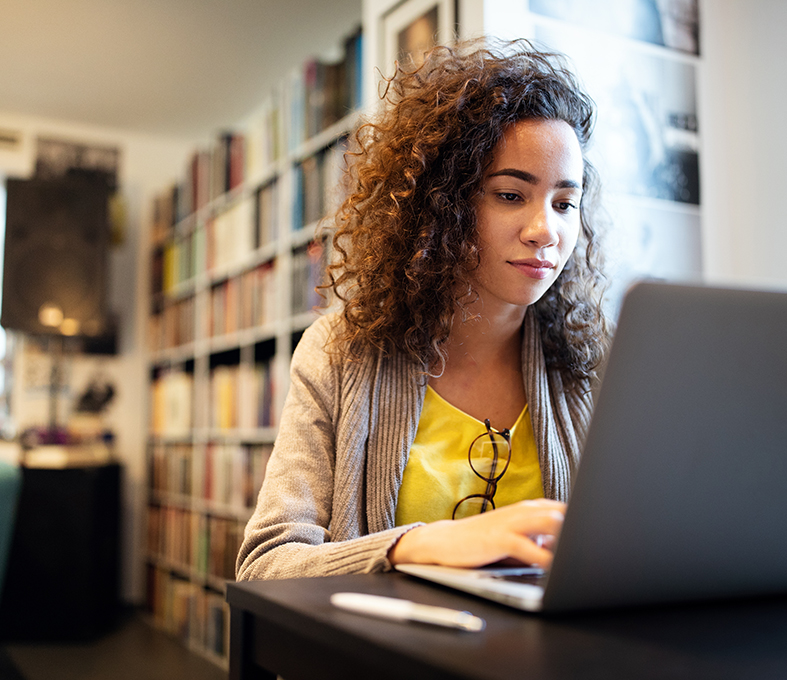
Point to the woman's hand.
(506, 533)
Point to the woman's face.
(528, 213)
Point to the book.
(334, 188)
(171, 403)
(224, 385)
(308, 271)
(353, 49)
(267, 214)
(312, 187)
(231, 234)
(295, 94)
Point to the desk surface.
(289, 627)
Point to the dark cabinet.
(63, 570)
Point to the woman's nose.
(539, 228)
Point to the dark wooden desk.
(290, 628)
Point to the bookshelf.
(235, 256)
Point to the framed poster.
(413, 27)
(57, 157)
(647, 135)
(670, 23)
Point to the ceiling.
(174, 67)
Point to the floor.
(134, 651)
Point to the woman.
(471, 322)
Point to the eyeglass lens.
(489, 457)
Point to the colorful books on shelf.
(164, 214)
(227, 475)
(230, 475)
(171, 403)
(177, 261)
(157, 270)
(323, 91)
(241, 397)
(156, 341)
(171, 468)
(353, 50)
(333, 186)
(227, 164)
(318, 187)
(231, 234)
(225, 537)
(258, 296)
(173, 326)
(224, 245)
(295, 97)
(209, 174)
(196, 615)
(194, 543)
(199, 179)
(224, 308)
(244, 301)
(311, 193)
(203, 541)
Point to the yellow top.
(438, 474)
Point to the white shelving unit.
(209, 316)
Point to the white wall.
(743, 99)
(148, 164)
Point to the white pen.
(404, 610)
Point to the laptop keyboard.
(533, 576)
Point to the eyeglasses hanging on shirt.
(489, 456)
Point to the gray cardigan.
(328, 501)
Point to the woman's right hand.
(505, 533)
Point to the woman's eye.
(565, 206)
(508, 196)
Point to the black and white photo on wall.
(647, 134)
(669, 23)
(646, 141)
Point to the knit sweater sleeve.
(289, 534)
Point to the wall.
(743, 97)
(147, 164)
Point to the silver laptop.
(681, 493)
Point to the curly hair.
(406, 236)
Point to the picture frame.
(674, 24)
(413, 27)
(647, 137)
(57, 158)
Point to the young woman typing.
(438, 418)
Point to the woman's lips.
(534, 268)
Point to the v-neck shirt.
(438, 474)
